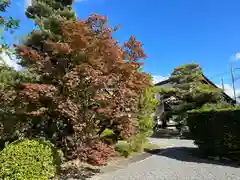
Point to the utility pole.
(233, 84)
(222, 85)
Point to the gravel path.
(174, 164)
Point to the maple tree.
(87, 83)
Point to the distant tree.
(189, 92)
(9, 77)
(6, 24)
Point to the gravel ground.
(174, 164)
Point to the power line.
(217, 75)
(233, 78)
(225, 73)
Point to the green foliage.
(29, 160)
(147, 107)
(123, 148)
(107, 132)
(126, 149)
(191, 91)
(137, 142)
(9, 77)
(108, 136)
(216, 132)
(48, 15)
(219, 105)
(9, 80)
(7, 24)
(83, 89)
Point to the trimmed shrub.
(29, 159)
(216, 132)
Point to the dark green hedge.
(216, 132)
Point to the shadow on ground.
(188, 154)
(75, 173)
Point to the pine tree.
(190, 92)
(48, 15)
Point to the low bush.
(127, 149)
(216, 132)
(109, 137)
(96, 152)
(123, 148)
(107, 132)
(137, 143)
(29, 159)
(133, 145)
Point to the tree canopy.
(87, 82)
(48, 14)
(189, 91)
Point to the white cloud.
(236, 57)
(228, 89)
(12, 62)
(27, 3)
(158, 78)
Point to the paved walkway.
(174, 163)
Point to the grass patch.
(151, 146)
(124, 148)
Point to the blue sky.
(174, 32)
